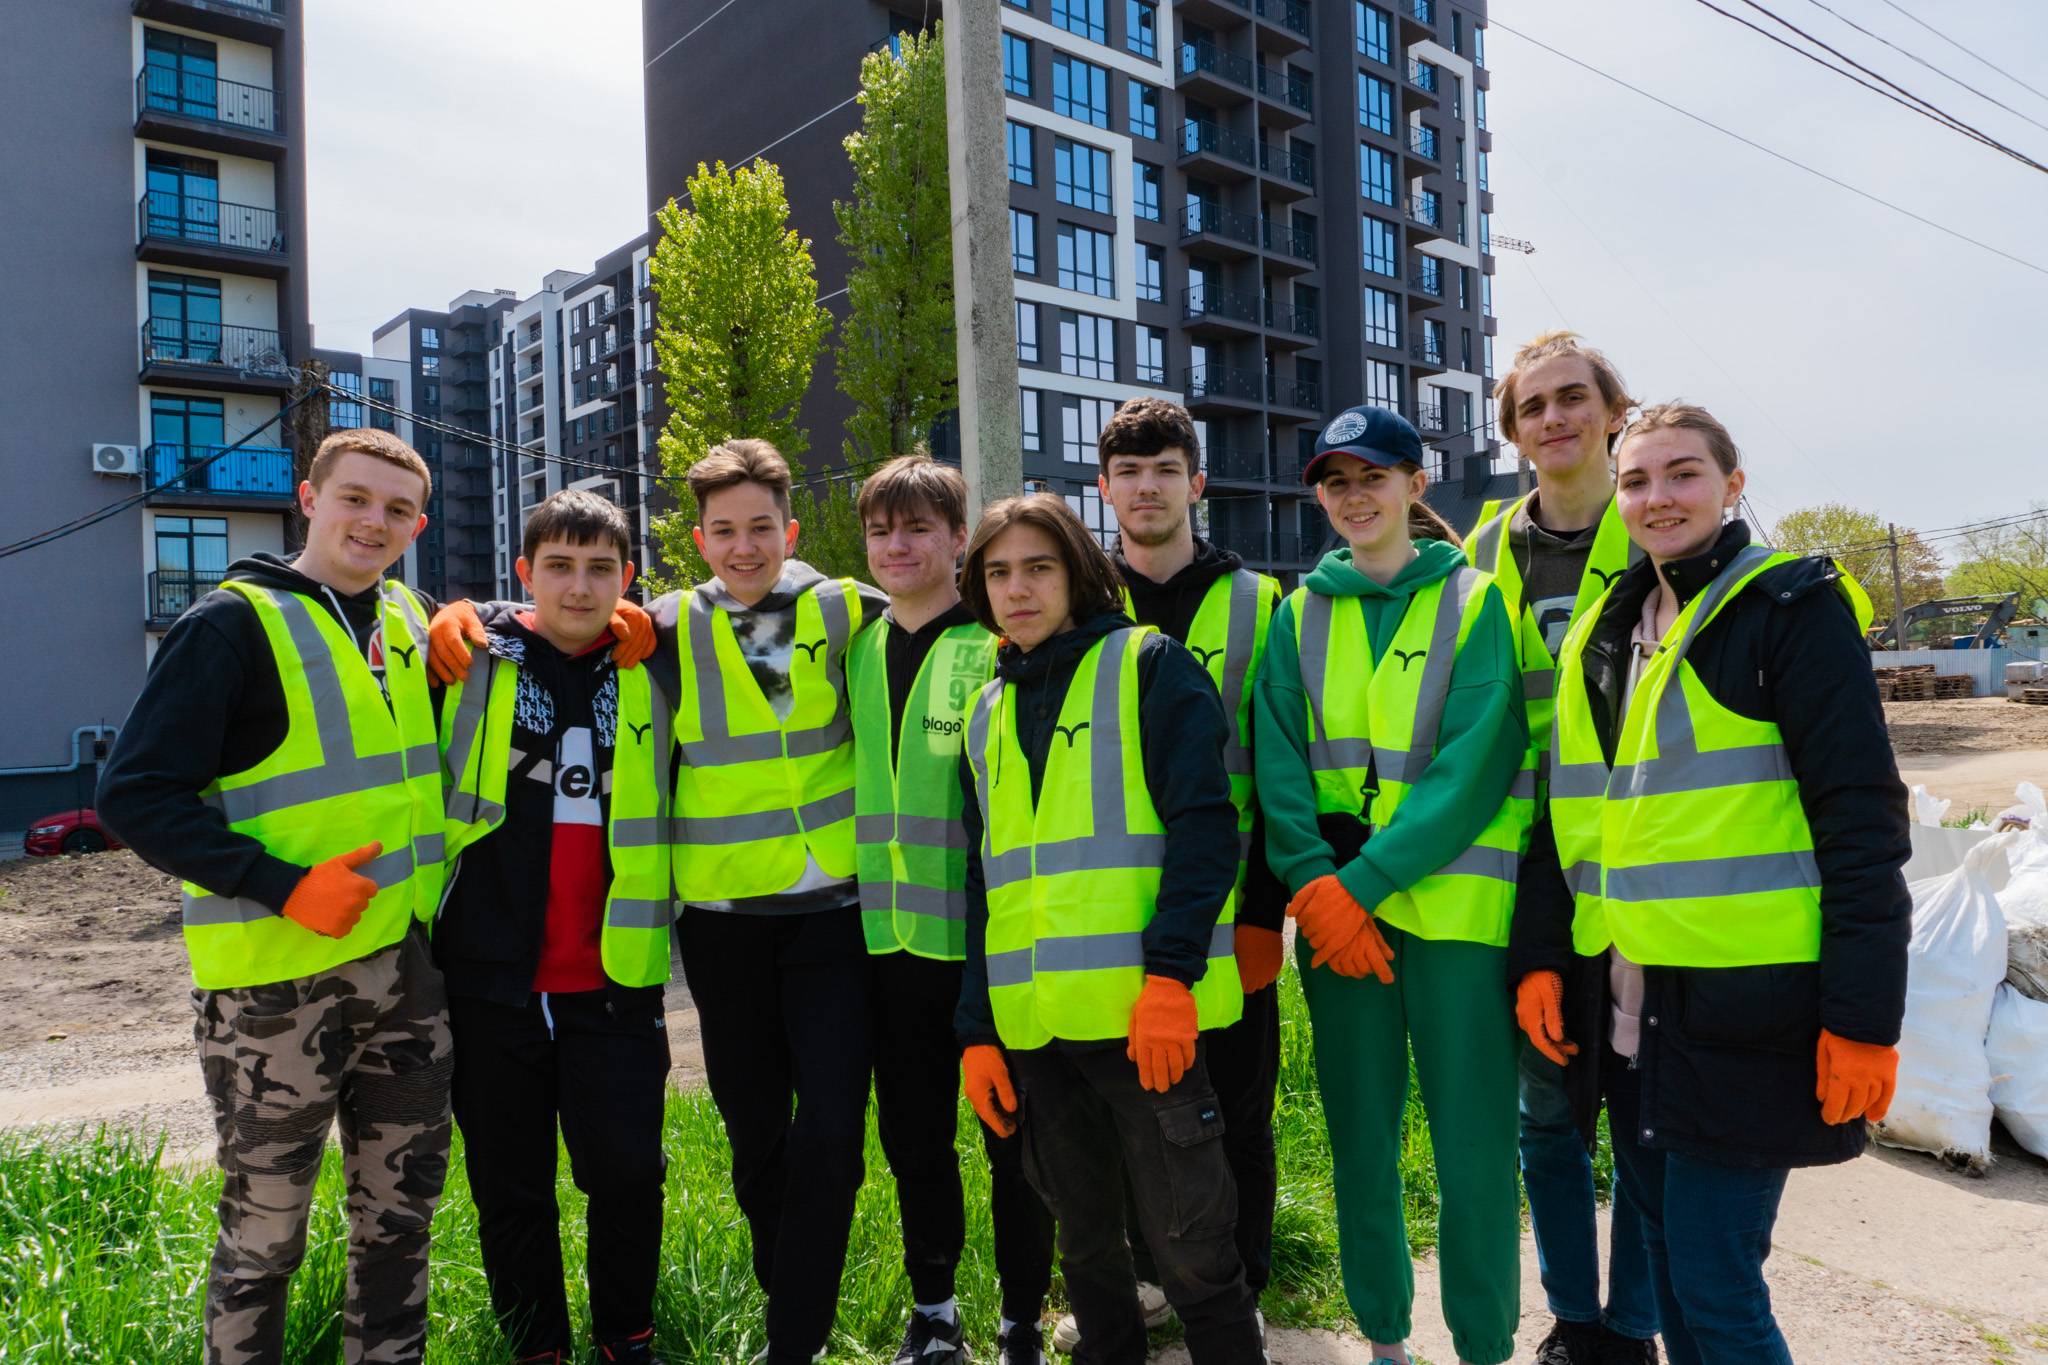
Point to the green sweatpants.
(1449, 1000)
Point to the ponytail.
(1425, 524)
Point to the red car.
(68, 831)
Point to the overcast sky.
(1857, 355)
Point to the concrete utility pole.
(984, 298)
(1898, 592)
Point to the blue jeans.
(1558, 1177)
(1708, 1230)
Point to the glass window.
(1370, 31)
(1027, 333)
(1375, 174)
(1486, 232)
(1457, 32)
(1029, 402)
(1144, 109)
(1375, 104)
(1482, 170)
(1486, 294)
(1081, 424)
(1087, 345)
(1381, 248)
(1088, 18)
(184, 201)
(184, 319)
(1151, 355)
(1023, 170)
(343, 412)
(1080, 176)
(1464, 288)
(1383, 385)
(1017, 65)
(1489, 357)
(180, 74)
(1023, 242)
(1087, 505)
(191, 560)
(1479, 106)
(1382, 318)
(430, 338)
(1478, 45)
(1080, 90)
(1145, 190)
(193, 427)
(430, 364)
(1151, 268)
(1141, 27)
(1087, 260)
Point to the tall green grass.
(103, 1251)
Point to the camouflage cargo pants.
(367, 1045)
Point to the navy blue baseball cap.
(1373, 434)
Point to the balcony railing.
(1299, 243)
(1428, 210)
(532, 402)
(1423, 10)
(243, 472)
(1422, 75)
(190, 94)
(1289, 13)
(1220, 381)
(530, 369)
(1295, 166)
(1427, 348)
(1203, 302)
(1422, 141)
(1429, 416)
(172, 591)
(1201, 219)
(1294, 393)
(209, 222)
(1202, 55)
(1288, 86)
(1200, 135)
(211, 344)
(1428, 277)
(1235, 466)
(1291, 317)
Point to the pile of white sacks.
(1975, 1040)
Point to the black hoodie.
(1183, 728)
(1171, 606)
(213, 704)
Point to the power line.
(1913, 56)
(1966, 51)
(687, 36)
(1774, 155)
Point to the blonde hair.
(1546, 346)
(381, 445)
(1687, 417)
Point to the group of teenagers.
(1591, 808)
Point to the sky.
(1857, 356)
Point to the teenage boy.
(764, 860)
(912, 677)
(555, 937)
(1553, 553)
(1205, 598)
(1102, 863)
(281, 761)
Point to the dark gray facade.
(156, 194)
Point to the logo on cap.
(1348, 426)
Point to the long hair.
(1092, 583)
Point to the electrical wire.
(1913, 56)
(1966, 51)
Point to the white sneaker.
(1152, 1305)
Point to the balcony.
(1299, 395)
(531, 369)
(529, 340)
(1292, 173)
(253, 21)
(1427, 351)
(206, 234)
(1283, 24)
(1207, 71)
(182, 475)
(1215, 387)
(1292, 324)
(1211, 312)
(1426, 211)
(1294, 244)
(532, 402)
(195, 110)
(209, 355)
(1426, 282)
(1223, 465)
(1222, 232)
(1216, 150)
(172, 591)
(1429, 417)
(1422, 75)
(1280, 549)
(1287, 95)
(1422, 142)
(1417, 20)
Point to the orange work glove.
(1341, 931)
(1539, 1009)
(332, 897)
(633, 629)
(450, 634)
(1856, 1080)
(1163, 1030)
(986, 1077)
(1259, 953)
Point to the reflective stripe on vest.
(352, 769)
(1073, 875)
(1373, 729)
(476, 738)
(912, 849)
(1693, 850)
(757, 793)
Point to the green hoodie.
(1478, 751)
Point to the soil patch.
(1986, 725)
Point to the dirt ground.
(1970, 753)
(1888, 1258)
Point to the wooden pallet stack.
(1911, 682)
(1954, 687)
(2034, 696)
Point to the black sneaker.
(637, 1349)
(931, 1341)
(1616, 1349)
(1570, 1343)
(1023, 1344)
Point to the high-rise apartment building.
(1267, 209)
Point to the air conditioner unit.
(110, 459)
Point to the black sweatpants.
(1244, 1066)
(600, 1071)
(917, 1098)
(1088, 1127)
(784, 1010)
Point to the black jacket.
(1171, 606)
(1727, 1054)
(1182, 729)
(213, 704)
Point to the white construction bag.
(2025, 903)
(2017, 1050)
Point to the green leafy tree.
(738, 329)
(1858, 541)
(2004, 559)
(896, 357)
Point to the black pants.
(917, 1098)
(600, 1071)
(1244, 1066)
(1088, 1126)
(784, 1009)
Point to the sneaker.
(1260, 1317)
(637, 1349)
(1570, 1343)
(1152, 1306)
(1021, 1345)
(1616, 1349)
(931, 1341)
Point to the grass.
(103, 1251)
